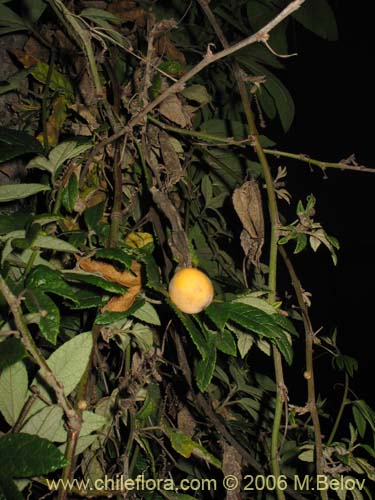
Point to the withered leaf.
(110, 273)
(166, 48)
(186, 422)
(123, 302)
(247, 202)
(173, 109)
(128, 11)
(171, 160)
(130, 279)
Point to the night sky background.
(333, 85)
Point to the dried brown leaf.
(123, 302)
(166, 48)
(173, 109)
(186, 422)
(128, 11)
(171, 160)
(247, 202)
(108, 272)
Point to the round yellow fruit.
(191, 290)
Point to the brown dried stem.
(209, 58)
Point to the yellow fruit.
(191, 290)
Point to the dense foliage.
(133, 150)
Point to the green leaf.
(48, 280)
(15, 143)
(301, 243)
(152, 402)
(186, 447)
(277, 90)
(205, 369)
(91, 422)
(245, 342)
(52, 243)
(13, 391)
(360, 421)
(144, 336)
(195, 334)
(285, 324)
(8, 488)
(94, 280)
(253, 319)
(58, 82)
(23, 455)
(108, 317)
(87, 299)
(58, 156)
(47, 423)
(99, 15)
(148, 314)
(285, 347)
(152, 272)
(49, 314)
(116, 254)
(224, 341)
(70, 193)
(367, 412)
(197, 93)
(251, 406)
(68, 363)
(307, 455)
(11, 351)
(35, 9)
(92, 215)
(10, 192)
(206, 188)
(318, 17)
(14, 222)
(259, 14)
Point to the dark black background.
(333, 85)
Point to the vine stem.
(309, 373)
(340, 412)
(274, 221)
(223, 141)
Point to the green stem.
(274, 220)
(45, 101)
(272, 152)
(30, 263)
(309, 374)
(58, 201)
(340, 412)
(322, 164)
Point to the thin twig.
(322, 164)
(340, 412)
(219, 140)
(206, 61)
